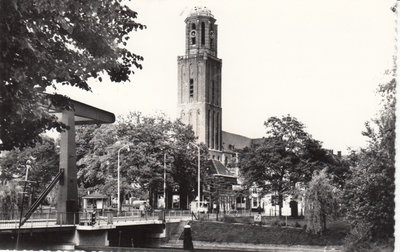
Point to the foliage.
(9, 199)
(220, 188)
(92, 144)
(369, 192)
(288, 155)
(320, 201)
(142, 167)
(46, 43)
(42, 160)
(184, 166)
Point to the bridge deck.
(101, 222)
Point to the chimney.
(339, 154)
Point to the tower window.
(212, 92)
(203, 33)
(193, 34)
(211, 37)
(212, 130)
(217, 133)
(208, 128)
(191, 88)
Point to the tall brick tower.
(199, 79)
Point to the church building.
(199, 100)
(200, 89)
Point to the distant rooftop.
(200, 11)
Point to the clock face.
(193, 33)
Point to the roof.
(218, 169)
(95, 196)
(232, 142)
(200, 11)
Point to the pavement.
(225, 246)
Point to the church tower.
(199, 79)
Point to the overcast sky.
(319, 61)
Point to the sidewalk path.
(254, 247)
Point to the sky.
(319, 61)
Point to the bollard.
(187, 238)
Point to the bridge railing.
(177, 214)
(48, 219)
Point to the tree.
(43, 160)
(320, 201)
(94, 155)
(46, 43)
(287, 155)
(9, 199)
(142, 167)
(369, 192)
(220, 189)
(184, 166)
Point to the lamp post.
(28, 166)
(165, 181)
(198, 173)
(118, 169)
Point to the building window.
(212, 130)
(203, 33)
(191, 88)
(217, 133)
(208, 128)
(211, 37)
(193, 34)
(212, 91)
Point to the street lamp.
(165, 181)
(28, 166)
(198, 173)
(118, 169)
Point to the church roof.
(217, 168)
(200, 11)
